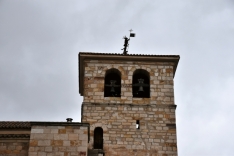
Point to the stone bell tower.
(129, 103)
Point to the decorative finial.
(126, 40)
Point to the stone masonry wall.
(58, 140)
(161, 82)
(156, 136)
(14, 147)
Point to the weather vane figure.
(126, 41)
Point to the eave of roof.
(120, 54)
(15, 124)
(19, 136)
(46, 123)
(29, 124)
(115, 56)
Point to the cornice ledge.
(132, 105)
(46, 123)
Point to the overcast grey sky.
(40, 42)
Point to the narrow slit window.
(137, 124)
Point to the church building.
(128, 109)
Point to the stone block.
(58, 153)
(128, 94)
(72, 136)
(60, 136)
(62, 149)
(154, 94)
(40, 136)
(62, 131)
(84, 143)
(32, 153)
(143, 115)
(46, 130)
(69, 149)
(48, 149)
(83, 137)
(56, 142)
(43, 142)
(74, 143)
(33, 143)
(41, 154)
(135, 108)
(37, 130)
(54, 131)
(69, 131)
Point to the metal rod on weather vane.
(126, 41)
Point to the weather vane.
(126, 41)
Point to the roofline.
(120, 57)
(46, 123)
(121, 54)
(29, 124)
(15, 125)
(15, 136)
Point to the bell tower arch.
(141, 84)
(112, 84)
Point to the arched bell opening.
(141, 84)
(112, 86)
(98, 138)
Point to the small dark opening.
(137, 124)
(98, 138)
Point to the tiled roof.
(29, 124)
(14, 124)
(14, 136)
(95, 53)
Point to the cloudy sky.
(40, 42)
